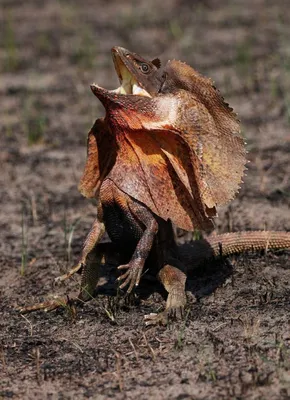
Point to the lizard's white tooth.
(137, 90)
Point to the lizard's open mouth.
(129, 84)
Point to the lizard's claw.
(175, 304)
(162, 318)
(69, 273)
(156, 318)
(132, 276)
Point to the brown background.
(234, 343)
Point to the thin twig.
(134, 349)
(3, 360)
(118, 371)
(30, 324)
(149, 347)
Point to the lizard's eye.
(144, 68)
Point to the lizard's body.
(168, 150)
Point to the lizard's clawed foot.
(132, 276)
(175, 304)
(156, 318)
(163, 318)
(69, 273)
(47, 305)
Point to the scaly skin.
(191, 256)
(201, 251)
(226, 244)
(168, 150)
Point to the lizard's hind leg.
(173, 280)
(92, 239)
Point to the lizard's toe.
(132, 276)
(45, 306)
(156, 318)
(69, 273)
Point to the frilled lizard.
(169, 150)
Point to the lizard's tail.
(214, 246)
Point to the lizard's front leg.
(135, 267)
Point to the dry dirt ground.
(235, 340)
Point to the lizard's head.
(137, 76)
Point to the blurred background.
(51, 51)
